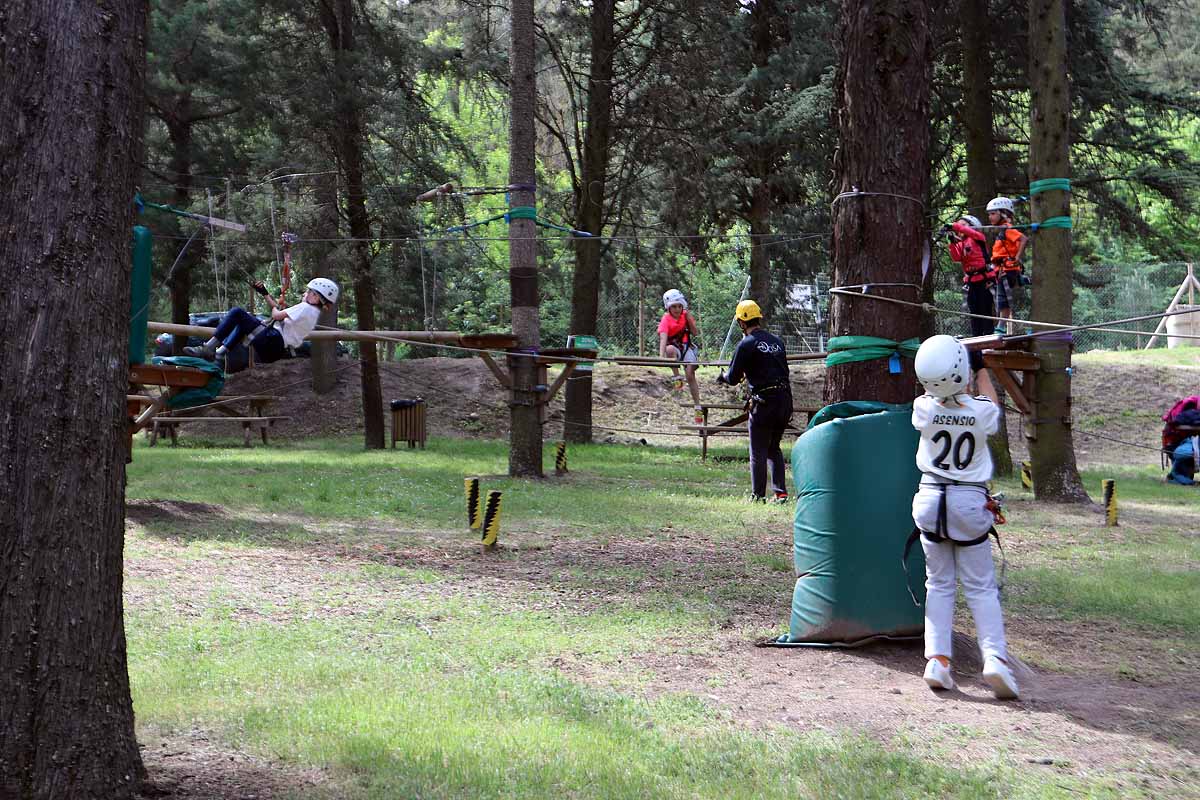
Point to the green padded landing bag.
(855, 473)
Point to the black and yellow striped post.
(1026, 475)
(491, 521)
(1109, 489)
(560, 459)
(471, 485)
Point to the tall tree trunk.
(589, 214)
(72, 102)
(324, 353)
(883, 74)
(758, 215)
(979, 136)
(348, 136)
(180, 135)
(1055, 476)
(525, 442)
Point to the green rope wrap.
(520, 212)
(1049, 184)
(1052, 222)
(848, 349)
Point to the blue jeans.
(239, 323)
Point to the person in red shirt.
(1007, 249)
(678, 334)
(967, 244)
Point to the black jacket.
(761, 359)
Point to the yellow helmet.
(747, 310)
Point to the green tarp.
(194, 397)
(855, 475)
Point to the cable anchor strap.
(1048, 185)
(849, 349)
(1052, 222)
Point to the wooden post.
(641, 317)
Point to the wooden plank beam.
(500, 374)
(560, 380)
(495, 341)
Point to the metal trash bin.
(408, 422)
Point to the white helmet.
(324, 287)
(1000, 204)
(972, 221)
(943, 366)
(673, 297)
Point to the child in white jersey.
(288, 328)
(951, 510)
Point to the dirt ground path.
(1082, 721)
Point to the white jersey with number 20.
(954, 436)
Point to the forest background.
(695, 138)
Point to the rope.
(1054, 326)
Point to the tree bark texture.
(758, 215)
(324, 354)
(589, 215)
(1052, 451)
(979, 137)
(180, 283)
(881, 109)
(71, 101)
(525, 444)
(338, 19)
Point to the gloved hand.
(1026, 280)
(721, 379)
(260, 287)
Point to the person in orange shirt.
(1007, 249)
(678, 334)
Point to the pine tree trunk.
(883, 75)
(349, 139)
(758, 215)
(979, 137)
(71, 103)
(525, 443)
(181, 276)
(1055, 476)
(324, 353)
(585, 288)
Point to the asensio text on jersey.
(954, 435)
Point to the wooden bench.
(738, 424)
(249, 411)
(249, 424)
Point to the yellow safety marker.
(1109, 488)
(491, 521)
(471, 485)
(560, 459)
(1026, 475)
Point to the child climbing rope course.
(967, 244)
(1007, 250)
(276, 340)
(678, 333)
(954, 514)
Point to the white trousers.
(945, 564)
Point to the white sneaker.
(938, 676)
(998, 676)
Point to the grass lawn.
(325, 607)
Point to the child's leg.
(939, 597)
(693, 385)
(671, 353)
(977, 572)
(234, 325)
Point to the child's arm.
(1024, 240)
(963, 229)
(694, 328)
(662, 344)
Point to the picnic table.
(252, 412)
(737, 424)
